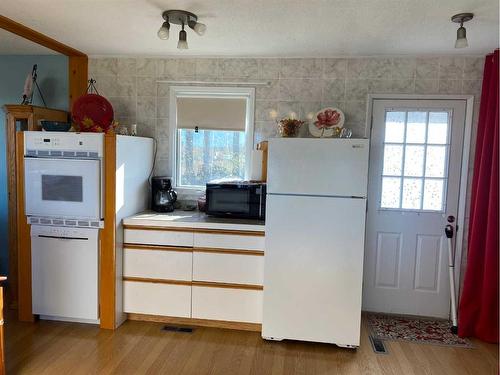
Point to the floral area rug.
(420, 331)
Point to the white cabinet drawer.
(157, 299)
(237, 305)
(228, 268)
(159, 237)
(157, 264)
(229, 241)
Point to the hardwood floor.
(143, 348)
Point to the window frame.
(247, 93)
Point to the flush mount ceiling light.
(461, 32)
(183, 18)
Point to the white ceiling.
(12, 44)
(291, 28)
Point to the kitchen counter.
(193, 219)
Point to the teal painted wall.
(53, 82)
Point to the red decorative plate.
(92, 113)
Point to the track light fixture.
(180, 17)
(460, 18)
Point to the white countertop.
(192, 219)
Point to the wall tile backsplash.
(301, 85)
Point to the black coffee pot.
(163, 196)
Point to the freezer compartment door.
(332, 167)
(313, 269)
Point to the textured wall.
(299, 85)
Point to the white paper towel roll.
(256, 171)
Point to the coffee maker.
(163, 196)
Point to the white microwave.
(63, 188)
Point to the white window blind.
(211, 113)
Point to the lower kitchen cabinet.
(157, 298)
(225, 241)
(158, 263)
(205, 275)
(228, 268)
(238, 305)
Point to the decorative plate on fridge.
(328, 123)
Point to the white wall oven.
(63, 186)
(64, 179)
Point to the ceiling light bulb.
(164, 31)
(461, 38)
(200, 28)
(182, 44)
(461, 18)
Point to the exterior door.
(414, 185)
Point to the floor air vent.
(178, 329)
(378, 345)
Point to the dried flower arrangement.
(289, 127)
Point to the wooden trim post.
(107, 278)
(78, 73)
(23, 240)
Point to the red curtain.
(478, 312)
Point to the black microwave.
(241, 199)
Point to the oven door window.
(234, 201)
(63, 188)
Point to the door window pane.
(391, 191)
(438, 128)
(415, 129)
(435, 162)
(414, 161)
(433, 194)
(412, 193)
(394, 127)
(393, 159)
(414, 170)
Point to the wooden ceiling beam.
(30, 34)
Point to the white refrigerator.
(315, 230)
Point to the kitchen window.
(211, 134)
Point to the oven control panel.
(63, 144)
